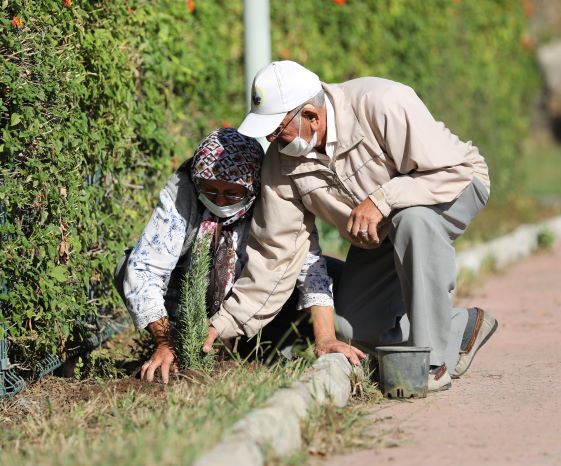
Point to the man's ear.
(311, 113)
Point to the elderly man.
(367, 157)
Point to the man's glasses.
(276, 133)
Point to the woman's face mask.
(224, 211)
(298, 146)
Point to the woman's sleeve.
(151, 262)
(314, 284)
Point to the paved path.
(506, 410)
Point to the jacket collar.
(349, 132)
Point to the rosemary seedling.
(192, 321)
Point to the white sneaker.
(439, 379)
(485, 326)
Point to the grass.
(132, 423)
(330, 240)
(541, 164)
(467, 281)
(128, 422)
(537, 198)
(329, 430)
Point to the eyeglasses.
(229, 197)
(276, 133)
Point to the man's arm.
(277, 247)
(363, 223)
(433, 164)
(325, 338)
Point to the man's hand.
(163, 359)
(212, 336)
(363, 223)
(332, 345)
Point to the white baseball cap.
(278, 88)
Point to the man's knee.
(414, 222)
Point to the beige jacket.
(389, 148)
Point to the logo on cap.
(256, 97)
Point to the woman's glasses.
(230, 197)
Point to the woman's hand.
(164, 359)
(325, 339)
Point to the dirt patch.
(55, 394)
(121, 357)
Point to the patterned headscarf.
(227, 155)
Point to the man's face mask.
(298, 146)
(224, 211)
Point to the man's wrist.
(225, 324)
(378, 197)
(323, 323)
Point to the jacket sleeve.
(151, 262)
(277, 247)
(431, 161)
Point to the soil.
(116, 367)
(507, 408)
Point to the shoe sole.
(444, 378)
(489, 335)
(448, 386)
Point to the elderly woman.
(213, 192)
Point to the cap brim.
(258, 125)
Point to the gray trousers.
(402, 291)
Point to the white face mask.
(224, 211)
(298, 146)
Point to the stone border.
(509, 248)
(275, 427)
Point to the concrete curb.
(275, 427)
(509, 248)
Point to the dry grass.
(125, 421)
(329, 430)
(128, 422)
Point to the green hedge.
(99, 100)
(465, 58)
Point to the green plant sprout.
(192, 321)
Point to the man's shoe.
(485, 326)
(439, 379)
